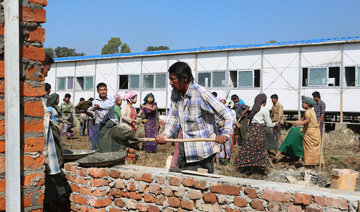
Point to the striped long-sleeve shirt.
(195, 114)
(105, 111)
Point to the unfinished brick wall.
(32, 54)
(126, 188)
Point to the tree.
(50, 52)
(272, 41)
(125, 48)
(156, 48)
(66, 52)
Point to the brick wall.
(125, 188)
(32, 54)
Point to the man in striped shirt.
(102, 109)
(193, 110)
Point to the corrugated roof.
(215, 48)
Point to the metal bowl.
(77, 154)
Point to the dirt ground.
(340, 151)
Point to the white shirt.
(263, 117)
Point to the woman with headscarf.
(55, 189)
(254, 151)
(117, 107)
(149, 109)
(311, 130)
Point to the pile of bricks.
(32, 54)
(125, 188)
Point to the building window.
(218, 80)
(245, 78)
(129, 81)
(70, 83)
(160, 80)
(84, 83)
(321, 76)
(204, 79)
(61, 84)
(352, 76)
(148, 81)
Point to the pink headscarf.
(117, 96)
(221, 98)
(129, 94)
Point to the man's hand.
(161, 139)
(221, 139)
(96, 107)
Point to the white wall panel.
(245, 60)
(212, 61)
(331, 97)
(352, 54)
(84, 94)
(130, 66)
(351, 100)
(51, 76)
(85, 68)
(154, 64)
(106, 72)
(321, 56)
(65, 69)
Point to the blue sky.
(87, 25)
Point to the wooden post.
(321, 146)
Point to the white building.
(289, 69)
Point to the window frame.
(166, 84)
(327, 76)
(91, 89)
(357, 73)
(154, 81)
(128, 82)
(65, 87)
(253, 78)
(211, 86)
(225, 78)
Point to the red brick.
(2, 203)
(174, 181)
(68, 166)
(225, 189)
(135, 196)
(1, 29)
(210, 197)
(33, 109)
(195, 194)
(78, 199)
(32, 162)
(33, 179)
(174, 202)
(200, 184)
(331, 202)
(115, 210)
(32, 126)
(118, 202)
(228, 209)
(251, 193)
(309, 209)
(153, 208)
(294, 208)
(99, 182)
(87, 209)
(98, 173)
(146, 177)
(276, 196)
(274, 206)
(160, 180)
(2, 146)
(160, 199)
(42, 2)
(142, 187)
(131, 186)
(37, 35)
(125, 175)
(167, 191)
(258, 205)
(75, 188)
(114, 173)
(34, 74)
(188, 182)
(88, 192)
(101, 202)
(137, 176)
(2, 185)
(2, 66)
(149, 198)
(304, 199)
(33, 144)
(119, 184)
(33, 53)
(2, 163)
(240, 202)
(155, 189)
(142, 207)
(33, 15)
(187, 204)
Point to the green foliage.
(272, 41)
(125, 48)
(66, 52)
(50, 51)
(156, 48)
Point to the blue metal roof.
(215, 48)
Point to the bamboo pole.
(182, 140)
(321, 146)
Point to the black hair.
(316, 94)
(234, 97)
(214, 94)
(82, 99)
(91, 99)
(47, 87)
(67, 95)
(48, 59)
(101, 84)
(181, 70)
(274, 96)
